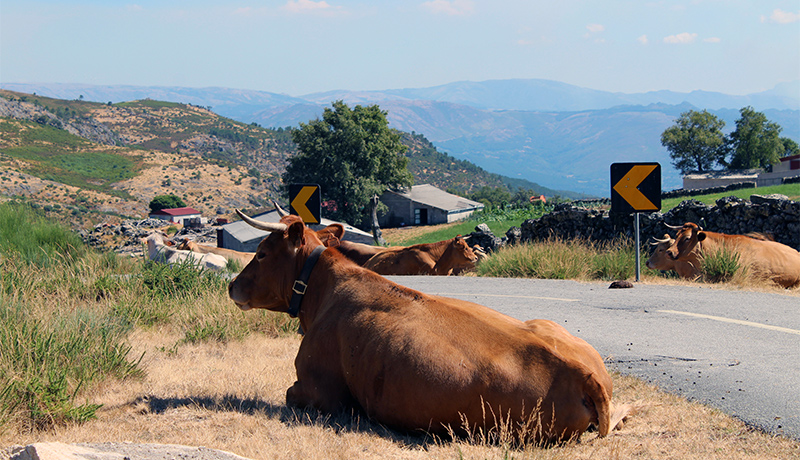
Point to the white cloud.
(643, 39)
(712, 40)
(680, 39)
(595, 28)
(450, 7)
(782, 17)
(306, 6)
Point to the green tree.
(756, 142)
(695, 142)
(790, 147)
(166, 202)
(353, 155)
(491, 197)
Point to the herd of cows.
(415, 361)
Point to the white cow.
(159, 250)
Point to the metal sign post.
(636, 187)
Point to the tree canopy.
(756, 142)
(353, 155)
(695, 142)
(166, 202)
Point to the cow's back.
(405, 368)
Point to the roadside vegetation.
(66, 311)
(95, 347)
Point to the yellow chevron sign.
(635, 187)
(304, 200)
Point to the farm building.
(176, 215)
(788, 167)
(239, 236)
(424, 205)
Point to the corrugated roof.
(437, 198)
(244, 232)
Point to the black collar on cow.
(300, 284)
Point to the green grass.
(790, 190)
(563, 259)
(55, 154)
(66, 312)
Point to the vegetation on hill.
(56, 151)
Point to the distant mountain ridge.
(558, 135)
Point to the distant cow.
(441, 258)
(414, 361)
(769, 259)
(158, 249)
(242, 258)
(688, 268)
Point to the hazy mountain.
(558, 135)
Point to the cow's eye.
(260, 255)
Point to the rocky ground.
(127, 237)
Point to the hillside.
(91, 160)
(557, 135)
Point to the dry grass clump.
(231, 397)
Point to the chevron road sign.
(635, 187)
(304, 201)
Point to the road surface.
(734, 350)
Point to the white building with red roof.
(176, 215)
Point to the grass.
(66, 313)
(55, 154)
(97, 348)
(790, 190)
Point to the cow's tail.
(609, 416)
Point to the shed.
(176, 215)
(240, 236)
(424, 205)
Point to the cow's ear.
(336, 230)
(701, 236)
(296, 234)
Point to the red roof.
(177, 211)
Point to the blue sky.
(298, 47)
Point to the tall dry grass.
(231, 397)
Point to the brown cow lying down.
(659, 260)
(768, 259)
(441, 258)
(229, 254)
(414, 361)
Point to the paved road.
(736, 351)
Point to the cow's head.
(266, 282)
(659, 259)
(459, 254)
(685, 241)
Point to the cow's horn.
(266, 226)
(658, 241)
(281, 212)
(674, 227)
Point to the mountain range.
(558, 135)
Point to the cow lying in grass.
(243, 258)
(765, 258)
(440, 258)
(161, 250)
(415, 361)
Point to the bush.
(166, 202)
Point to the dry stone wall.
(774, 215)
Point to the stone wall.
(774, 215)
